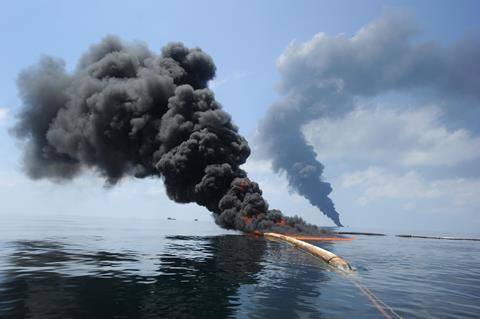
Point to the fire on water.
(300, 236)
(310, 237)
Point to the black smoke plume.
(126, 111)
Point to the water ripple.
(232, 276)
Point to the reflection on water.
(142, 274)
(201, 277)
(291, 285)
(195, 277)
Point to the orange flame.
(308, 237)
(243, 185)
(247, 220)
(317, 238)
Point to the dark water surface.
(73, 267)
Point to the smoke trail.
(324, 76)
(126, 111)
(282, 139)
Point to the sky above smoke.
(391, 97)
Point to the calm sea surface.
(74, 267)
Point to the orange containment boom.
(327, 256)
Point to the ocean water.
(76, 267)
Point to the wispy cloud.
(4, 114)
(407, 138)
(447, 195)
(9, 179)
(213, 84)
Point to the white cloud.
(3, 114)
(379, 183)
(261, 172)
(257, 166)
(9, 179)
(409, 138)
(213, 84)
(451, 194)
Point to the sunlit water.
(73, 267)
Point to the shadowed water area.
(66, 267)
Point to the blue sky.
(245, 39)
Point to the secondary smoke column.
(282, 139)
(126, 111)
(326, 75)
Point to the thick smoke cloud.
(324, 76)
(126, 111)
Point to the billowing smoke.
(324, 76)
(126, 111)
